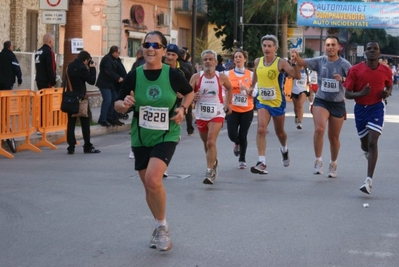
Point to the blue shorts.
(369, 117)
(279, 111)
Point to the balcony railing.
(186, 6)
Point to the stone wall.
(5, 21)
(13, 22)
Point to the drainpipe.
(193, 31)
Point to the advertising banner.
(329, 14)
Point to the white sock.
(284, 149)
(262, 159)
(335, 162)
(160, 223)
(319, 159)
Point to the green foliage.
(258, 12)
(392, 48)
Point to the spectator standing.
(80, 71)
(139, 58)
(106, 80)
(152, 88)
(368, 83)
(183, 61)
(45, 63)
(220, 67)
(172, 51)
(9, 67)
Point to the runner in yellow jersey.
(270, 73)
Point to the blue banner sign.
(330, 14)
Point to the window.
(132, 46)
(31, 30)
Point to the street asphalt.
(59, 210)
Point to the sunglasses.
(153, 45)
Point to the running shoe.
(215, 167)
(285, 159)
(154, 240)
(259, 168)
(164, 243)
(242, 165)
(131, 155)
(318, 167)
(366, 187)
(236, 150)
(299, 126)
(332, 170)
(210, 176)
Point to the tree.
(221, 13)
(73, 29)
(259, 19)
(286, 13)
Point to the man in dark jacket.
(105, 82)
(183, 61)
(9, 68)
(80, 71)
(139, 58)
(45, 63)
(172, 52)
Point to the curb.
(95, 130)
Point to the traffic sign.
(53, 4)
(54, 16)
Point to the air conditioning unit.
(163, 19)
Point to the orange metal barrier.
(50, 117)
(17, 113)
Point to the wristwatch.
(184, 108)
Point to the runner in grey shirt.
(329, 105)
(330, 88)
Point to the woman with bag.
(80, 71)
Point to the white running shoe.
(210, 176)
(131, 155)
(299, 126)
(318, 167)
(259, 168)
(242, 165)
(285, 158)
(332, 170)
(163, 242)
(366, 187)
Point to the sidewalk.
(95, 130)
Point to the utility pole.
(242, 25)
(193, 31)
(235, 23)
(277, 5)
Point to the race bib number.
(240, 100)
(154, 118)
(301, 84)
(208, 110)
(267, 93)
(330, 85)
